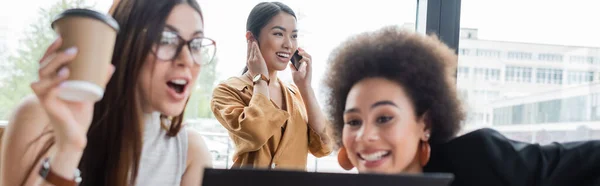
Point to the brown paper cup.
(94, 35)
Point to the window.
(550, 57)
(488, 95)
(579, 77)
(487, 74)
(463, 72)
(464, 52)
(518, 74)
(487, 53)
(519, 55)
(585, 60)
(570, 109)
(549, 76)
(577, 59)
(540, 99)
(593, 60)
(595, 107)
(477, 117)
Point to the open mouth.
(178, 85)
(374, 156)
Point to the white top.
(163, 158)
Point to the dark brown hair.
(422, 65)
(114, 145)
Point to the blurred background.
(528, 68)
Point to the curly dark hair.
(424, 66)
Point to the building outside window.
(550, 57)
(519, 55)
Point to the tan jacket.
(266, 136)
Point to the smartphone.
(296, 60)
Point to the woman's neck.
(149, 114)
(272, 76)
(414, 168)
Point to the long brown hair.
(114, 146)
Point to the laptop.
(260, 177)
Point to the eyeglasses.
(202, 49)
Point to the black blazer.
(485, 157)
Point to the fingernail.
(71, 51)
(63, 72)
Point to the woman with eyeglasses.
(134, 135)
(273, 124)
(395, 110)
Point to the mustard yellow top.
(266, 136)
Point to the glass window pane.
(550, 68)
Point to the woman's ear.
(249, 36)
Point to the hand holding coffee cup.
(73, 74)
(69, 120)
(94, 35)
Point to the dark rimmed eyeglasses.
(202, 49)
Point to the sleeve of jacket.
(487, 157)
(573, 163)
(252, 124)
(316, 146)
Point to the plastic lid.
(88, 13)
(78, 91)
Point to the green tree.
(21, 68)
(199, 104)
(3, 56)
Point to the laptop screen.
(259, 177)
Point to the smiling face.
(277, 41)
(382, 133)
(165, 85)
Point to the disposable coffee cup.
(94, 35)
